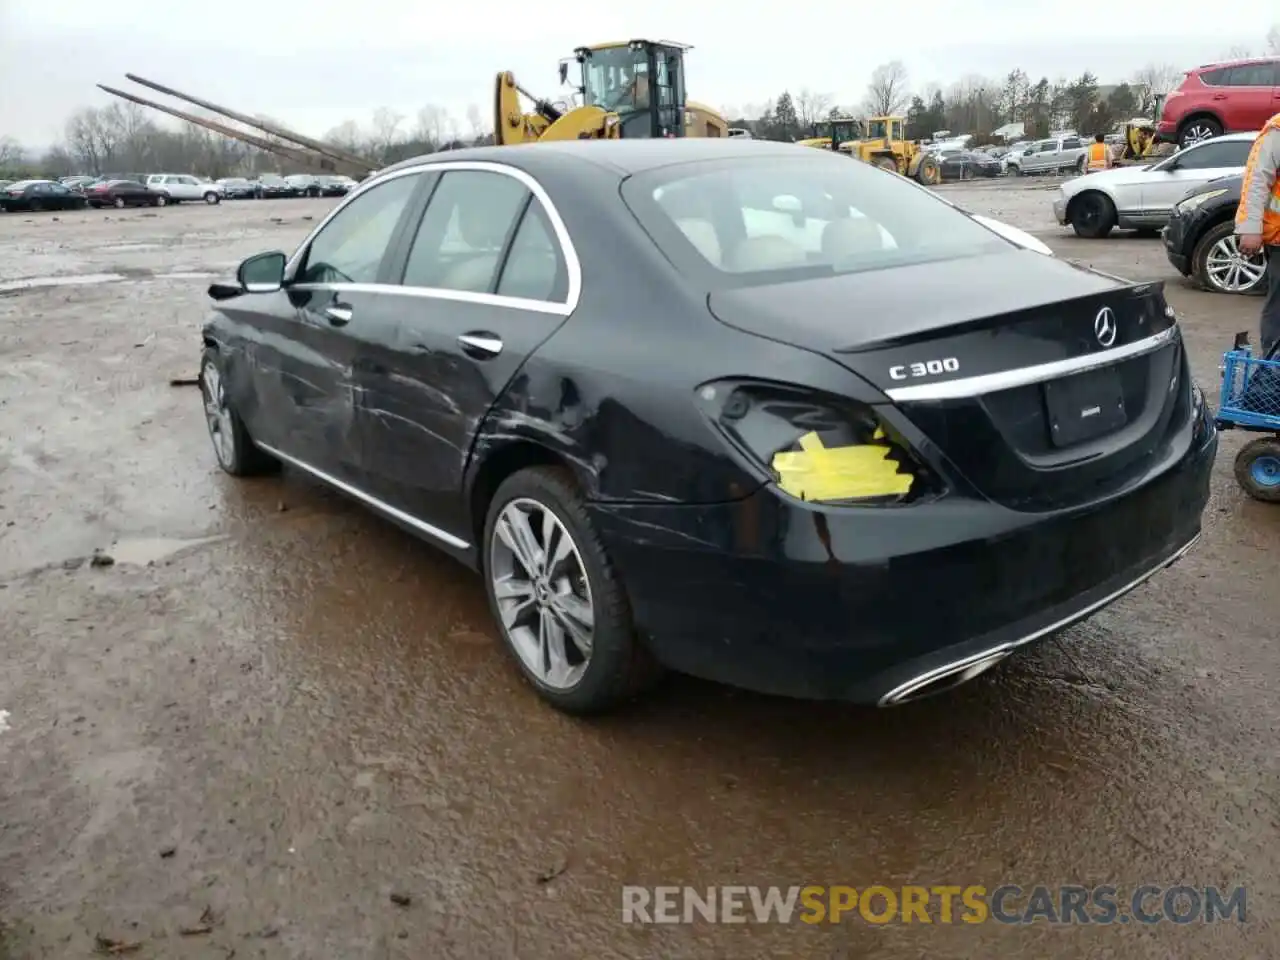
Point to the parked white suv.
(177, 187)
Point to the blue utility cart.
(1251, 401)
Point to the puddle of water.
(143, 551)
(84, 279)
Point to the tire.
(1093, 215)
(162, 201)
(1258, 469)
(236, 452)
(118, 203)
(929, 172)
(1197, 130)
(885, 163)
(212, 199)
(1216, 262)
(36, 206)
(154, 202)
(618, 666)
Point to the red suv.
(1236, 97)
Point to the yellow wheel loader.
(883, 143)
(630, 89)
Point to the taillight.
(817, 447)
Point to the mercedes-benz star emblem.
(1104, 327)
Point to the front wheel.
(885, 163)
(119, 203)
(557, 600)
(929, 172)
(236, 452)
(1093, 216)
(1258, 469)
(1218, 265)
(211, 198)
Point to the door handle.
(481, 345)
(338, 314)
(1219, 96)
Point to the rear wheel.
(1093, 215)
(1219, 266)
(1258, 469)
(557, 600)
(211, 198)
(119, 203)
(36, 206)
(162, 200)
(886, 163)
(1198, 130)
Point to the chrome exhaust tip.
(942, 679)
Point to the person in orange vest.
(1258, 222)
(1099, 154)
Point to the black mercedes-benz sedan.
(744, 411)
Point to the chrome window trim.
(968, 387)
(394, 512)
(573, 266)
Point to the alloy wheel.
(542, 593)
(218, 416)
(1197, 133)
(1230, 271)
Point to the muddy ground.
(281, 710)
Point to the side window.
(1250, 75)
(1071, 143)
(460, 239)
(190, 181)
(350, 247)
(1230, 154)
(535, 267)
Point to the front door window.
(350, 247)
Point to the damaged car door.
(338, 311)
(484, 279)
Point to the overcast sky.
(314, 63)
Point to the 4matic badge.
(929, 368)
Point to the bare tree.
(887, 92)
(346, 136)
(1152, 81)
(432, 126)
(386, 130)
(82, 139)
(11, 153)
(1238, 52)
(1273, 39)
(475, 124)
(57, 162)
(811, 106)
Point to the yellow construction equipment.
(633, 88)
(883, 142)
(1139, 139)
(833, 133)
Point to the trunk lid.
(1045, 385)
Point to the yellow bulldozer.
(634, 88)
(884, 143)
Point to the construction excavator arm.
(512, 125)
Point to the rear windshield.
(744, 221)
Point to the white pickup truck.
(177, 187)
(1063, 155)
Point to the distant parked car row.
(270, 185)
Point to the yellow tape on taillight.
(817, 472)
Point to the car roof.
(623, 156)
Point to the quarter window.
(465, 228)
(535, 269)
(349, 248)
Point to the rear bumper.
(875, 605)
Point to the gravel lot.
(274, 711)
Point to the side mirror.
(564, 73)
(262, 273)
